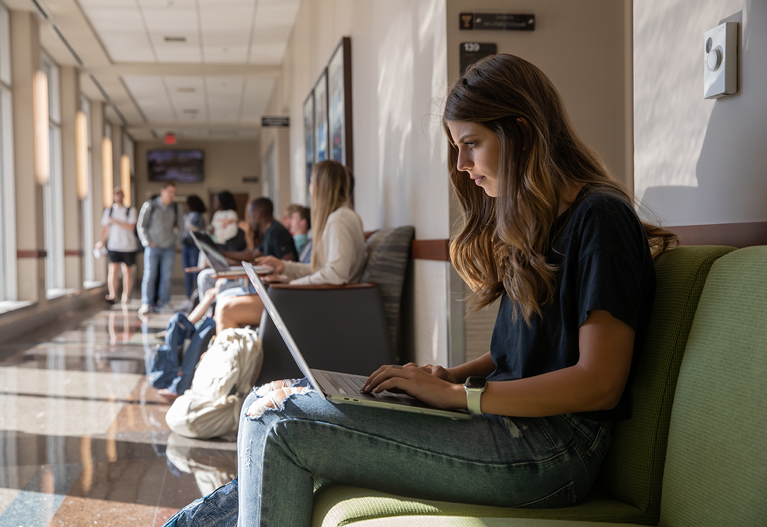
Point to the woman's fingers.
(383, 373)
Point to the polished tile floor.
(83, 439)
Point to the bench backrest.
(716, 465)
(633, 470)
(388, 252)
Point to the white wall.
(699, 161)
(398, 71)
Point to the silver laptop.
(218, 261)
(342, 388)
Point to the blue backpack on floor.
(169, 366)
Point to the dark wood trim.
(35, 253)
(431, 250)
(733, 234)
(74, 252)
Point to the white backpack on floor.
(222, 380)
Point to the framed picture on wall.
(309, 138)
(340, 103)
(321, 152)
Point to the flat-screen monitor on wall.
(181, 166)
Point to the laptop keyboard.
(351, 385)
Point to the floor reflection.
(83, 439)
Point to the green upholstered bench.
(716, 463)
(629, 487)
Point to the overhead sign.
(275, 121)
(496, 21)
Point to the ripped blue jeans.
(488, 460)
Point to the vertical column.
(30, 220)
(70, 94)
(97, 136)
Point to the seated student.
(266, 237)
(300, 225)
(223, 225)
(287, 215)
(338, 256)
(552, 234)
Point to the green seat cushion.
(716, 466)
(448, 521)
(628, 489)
(338, 505)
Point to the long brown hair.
(502, 242)
(331, 192)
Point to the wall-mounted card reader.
(720, 61)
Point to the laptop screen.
(281, 327)
(206, 245)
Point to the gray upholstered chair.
(353, 328)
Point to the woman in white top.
(338, 256)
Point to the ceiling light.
(81, 146)
(107, 175)
(175, 39)
(42, 141)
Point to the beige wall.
(399, 69)
(699, 161)
(584, 48)
(225, 164)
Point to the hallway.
(83, 437)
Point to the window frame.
(8, 263)
(53, 192)
(89, 262)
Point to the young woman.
(552, 234)
(338, 256)
(223, 225)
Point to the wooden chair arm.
(195, 269)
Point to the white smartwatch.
(474, 387)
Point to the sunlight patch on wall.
(670, 114)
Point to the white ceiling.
(200, 68)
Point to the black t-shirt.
(605, 264)
(277, 241)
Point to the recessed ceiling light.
(175, 39)
(186, 90)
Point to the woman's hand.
(275, 263)
(429, 384)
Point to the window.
(89, 262)
(8, 287)
(53, 192)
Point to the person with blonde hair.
(552, 234)
(338, 253)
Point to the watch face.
(475, 383)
